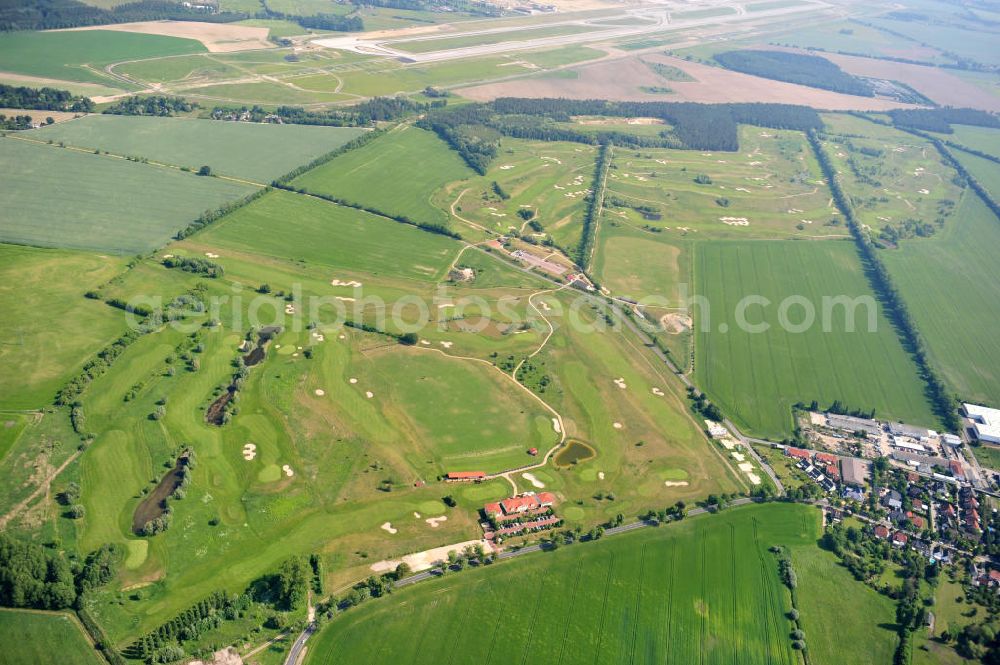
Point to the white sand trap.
(288, 470)
(417, 515)
(295, 355)
(657, 392)
(211, 255)
(620, 382)
(427, 559)
(600, 475)
(320, 392)
(299, 348)
(351, 283)
(168, 256)
(727, 443)
(342, 337)
(277, 346)
(369, 394)
(556, 426)
(425, 342)
(249, 451)
(545, 306)
(388, 527)
(345, 299)
(506, 167)
(617, 425)
(447, 345)
(924, 191)
(535, 482)
(739, 457)
(435, 521)
(745, 467)
(446, 304)
(675, 483)
(352, 380)
(754, 478)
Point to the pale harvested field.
(939, 84)
(620, 79)
(217, 37)
(77, 88)
(40, 116)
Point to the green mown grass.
(51, 334)
(31, 637)
(463, 41)
(705, 589)
(757, 377)
(949, 283)
(979, 138)
(396, 174)
(292, 226)
(80, 55)
(59, 197)
(256, 151)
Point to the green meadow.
(80, 55)
(39, 635)
(949, 283)
(301, 228)
(99, 202)
(706, 590)
(397, 174)
(756, 375)
(48, 337)
(261, 152)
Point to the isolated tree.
(205, 170)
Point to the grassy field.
(706, 589)
(771, 188)
(986, 172)
(37, 634)
(310, 230)
(255, 151)
(49, 336)
(978, 138)
(757, 376)
(462, 415)
(890, 176)
(99, 202)
(80, 55)
(385, 175)
(948, 282)
(550, 178)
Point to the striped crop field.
(703, 591)
(756, 376)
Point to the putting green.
(269, 474)
(138, 550)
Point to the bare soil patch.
(939, 84)
(621, 79)
(217, 37)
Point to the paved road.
(300, 644)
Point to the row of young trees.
(883, 285)
(594, 207)
(195, 265)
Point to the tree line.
(594, 206)
(937, 393)
(941, 119)
(50, 99)
(156, 105)
(809, 70)
(54, 14)
(365, 114)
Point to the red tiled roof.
(881, 531)
(826, 458)
(956, 469)
(995, 575)
(918, 521)
(519, 504)
(465, 475)
(797, 452)
(832, 470)
(492, 509)
(546, 498)
(900, 537)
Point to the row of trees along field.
(937, 393)
(474, 130)
(49, 99)
(810, 70)
(157, 105)
(360, 115)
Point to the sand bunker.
(446, 345)
(388, 527)
(288, 470)
(535, 482)
(351, 283)
(435, 521)
(249, 451)
(745, 467)
(657, 392)
(735, 221)
(600, 475)
(556, 426)
(620, 382)
(675, 483)
(211, 255)
(369, 394)
(320, 392)
(352, 380)
(739, 457)
(417, 515)
(617, 425)
(344, 298)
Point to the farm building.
(852, 424)
(523, 503)
(903, 444)
(465, 476)
(854, 471)
(985, 422)
(715, 430)
(902, 429)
